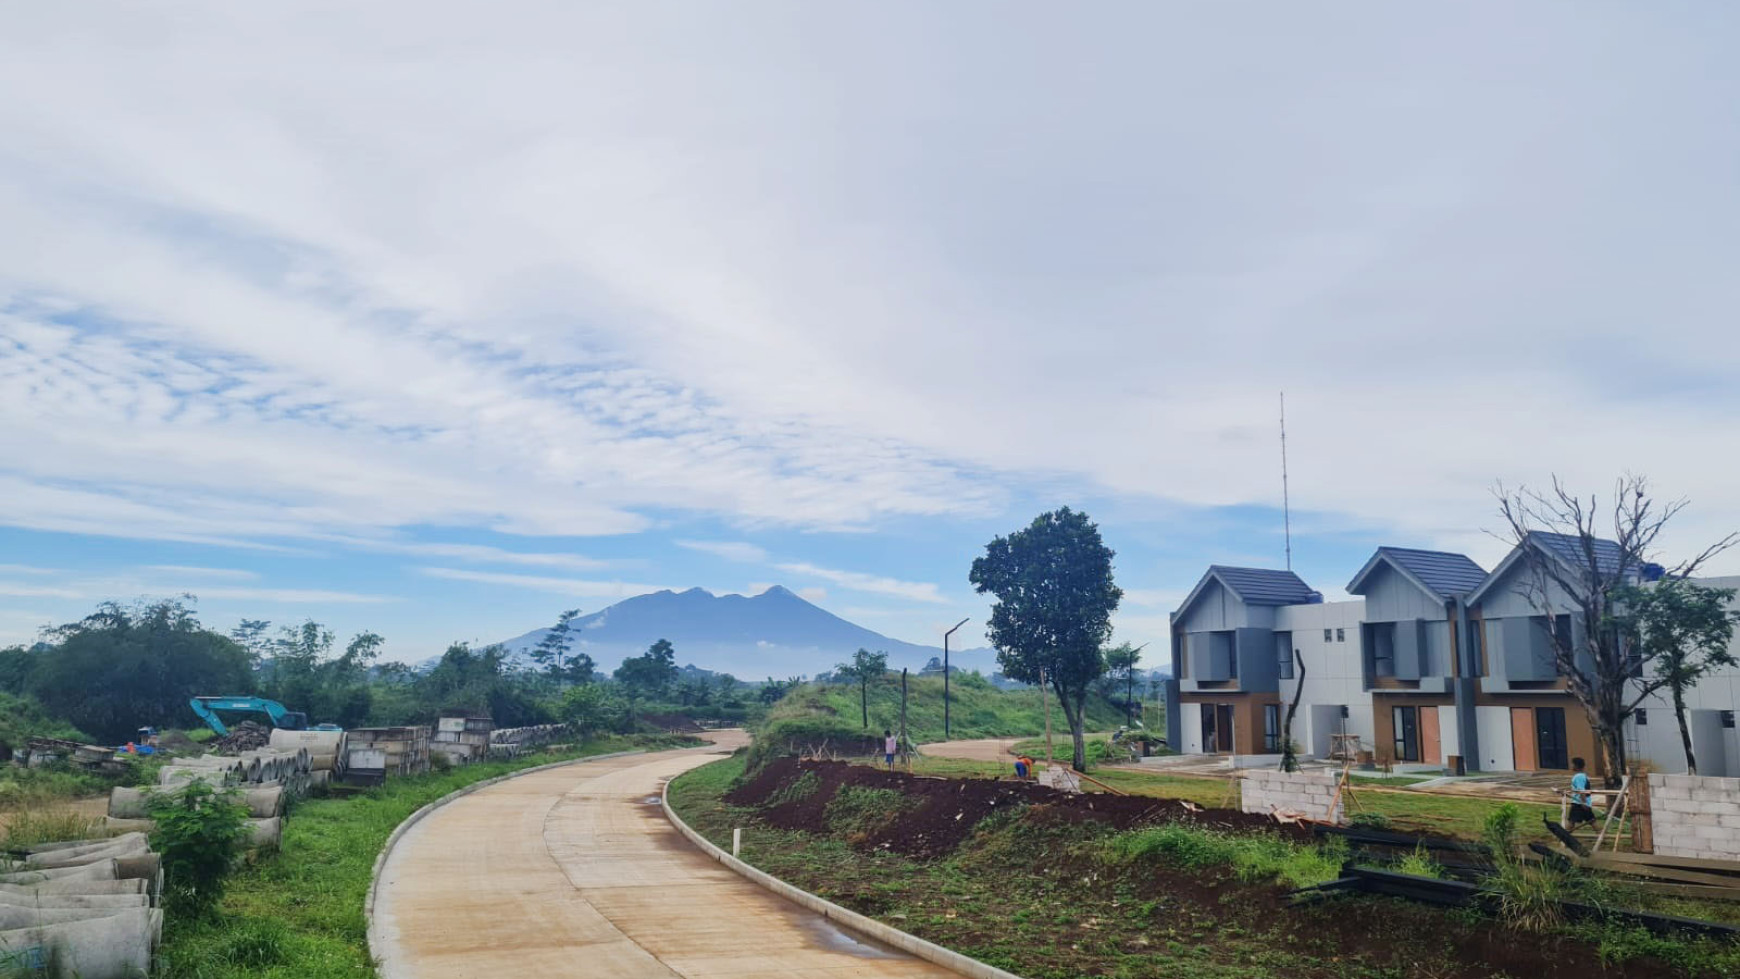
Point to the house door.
(1223, 725)
(1522, 739)
(1550, 737)
(1209, 745)
(1431, 749)
(1405, 720)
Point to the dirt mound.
(944, 811)
(246, 736)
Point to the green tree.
(250, 634)
(593, 709)
(199, 833)
(297, 653)
(551, 652)
(1053, 614)
(1121, 663)
(1682, 629)
(650, 675)
(865, 667)
(122, 668)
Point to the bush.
(1499, 832)
(199, 834)
(1252, 858)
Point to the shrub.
(1420, 864)
(199, 834)
(1499, 832)
(1252, 858)
(796, 790)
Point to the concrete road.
(575, 872)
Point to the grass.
(1049, 898)
(976, 709)
(299, 913)
(48, 825)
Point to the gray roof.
(1263, 586)
(1569, 549)
(1443, 573)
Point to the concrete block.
(1714, 783)
(1667, 792)
(1712, 832)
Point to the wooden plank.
(1685, 863)
(1661, 873)
(1694, 891)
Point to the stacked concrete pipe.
(82, 910)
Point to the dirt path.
(575, 872)
(983, 749)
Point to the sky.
(436, 320)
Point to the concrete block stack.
(462, 740)
(510, 742)
(87, 909)
(372, 754)
(1695, 816)
(1301, 793)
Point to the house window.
(1407, 725)
(1284, 655)
(1329, 635)
(1383, 648)
(1642, 717)
(1272, 729)
(1341, 635)
(1728, 719)
(1550, 737)
(1474, 664)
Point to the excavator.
(207, 707)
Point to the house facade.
(1436, 662)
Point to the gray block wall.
(1695, 816)
(1292, 792)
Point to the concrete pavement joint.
(868, 927)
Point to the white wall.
(1449, 735)
(1190, 717)
(1492, 726)
(1333, 674)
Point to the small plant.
(1530, 896)
(797, 790)
(1499, 832)
(1420, 864)
(199, 833)
(1369, 820)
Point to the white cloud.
(613, 590)
(291, 596)
(517, 280)
(917, 591)
(1164, 598)
(189, 571)
(26, 569)
(812, 594)
(14, 589)
(739, 551)
(480, 553)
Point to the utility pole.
(1286, 508)
(903, 715)
(946, 636)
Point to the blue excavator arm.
(207, 707)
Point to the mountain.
(775, 633)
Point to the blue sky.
(437, 325)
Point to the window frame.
(1405, 738)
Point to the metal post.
(946, 636)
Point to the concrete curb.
(868, 927)
(412, 820)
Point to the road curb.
(412, 820)
(868, 927)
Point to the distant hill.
(775, 634)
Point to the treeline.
(130, 666)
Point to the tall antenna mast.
(1286, 507)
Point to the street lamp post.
(946, 636)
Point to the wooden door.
(1431, 751)
(1522, 739)
(1223, 726)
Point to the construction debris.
(246, 736)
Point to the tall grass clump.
(796, 790)
(32, 826)
(1253, 858)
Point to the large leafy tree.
(1682, 629)
(1053, 614)
(552, 652)
(1591, 576)
(126, 667)
(650, 675)
(864, 668)
(1121, 661)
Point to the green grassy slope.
(978, 709)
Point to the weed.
(1498, 831)
(33, 826)
(797, 790)
(1420, 864)
(1369, 820)
(1253, 858)
(858, 810)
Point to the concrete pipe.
(66, 844)
(73, 886)
(317, 742)
(97, 870)
(126, 803)
(319, 778)
(264, 834)
(41, 900)
(264, 803)
(124, 825)
(124, 846)
(117, 946)
(321, 761)
(13, 917)
(145, 866)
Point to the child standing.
(889, 747)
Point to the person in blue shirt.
(1582, 801)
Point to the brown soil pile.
(944, 811)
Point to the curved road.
(574, 871)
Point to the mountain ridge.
(774, 633)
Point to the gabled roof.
(1566, 549)
(1442, 574)
(1255, 586)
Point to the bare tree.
(1290, 751)
(1577, 567)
